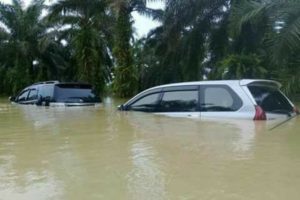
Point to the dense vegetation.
(92, 41)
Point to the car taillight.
(259, 114)
(296, 110)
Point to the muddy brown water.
(100, 153)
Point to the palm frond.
(246, 12)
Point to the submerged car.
(243, 99)
(55, 93)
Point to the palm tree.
(182, 42)
(86, 26)
(24, 42)
(125, 83)
(279, 25)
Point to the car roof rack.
(46, 82)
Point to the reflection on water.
(145, 180)
(100, 153)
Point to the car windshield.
(75, 93)
(270, 99)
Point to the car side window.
(146, 104)
(180, 101)
(46, 91)
(23, 96)
(33, 95)
(219, 99)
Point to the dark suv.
(55, 93)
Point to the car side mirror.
(121, 107)
(12, 98)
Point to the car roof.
(45, 82)
(36, 85)
(260, 82)
(242, 82)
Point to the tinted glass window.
(181, 88)
(75, 93)
(270, 99)
(146, 104)
(32, 95)
(46, 90)
(23, 96)
(179, 101)
(219, 99)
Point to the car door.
(146, 103)
(219, 101)
(32, 96)
(180, 102)
(22, 97)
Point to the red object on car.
(259, 114)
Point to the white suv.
(244, 99)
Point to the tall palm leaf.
(181, 42)
(283, 22)
(282, 37)
(85, 24)
(22, 35)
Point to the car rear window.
(76, 93)
(270, 99)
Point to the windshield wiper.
(288, 119)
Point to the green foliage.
(22, 43)
(180, 46)
(89, 38)
(241, 67)
(275, 35)
(125, 82)
(92, 41)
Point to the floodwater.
(100, 153)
